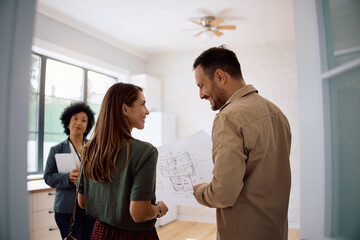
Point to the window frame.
(40, 127)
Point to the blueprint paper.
(181, 165)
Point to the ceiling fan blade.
(205, 12)
(191, 29)
(198, 23)
(199, 33)
(228, 27)
(216, 22)
(217, 32)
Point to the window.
(33, 112)
(98, 84)
(54, 85)
(342, 79)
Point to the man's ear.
(220, 77)
(125, 109)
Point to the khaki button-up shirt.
(251, 177)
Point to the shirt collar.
(241, 92)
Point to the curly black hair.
(75, 108)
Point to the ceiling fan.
(212, 26)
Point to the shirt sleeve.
(144, 183)
(229, 165)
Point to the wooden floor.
(183, 230)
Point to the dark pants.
(82, 228)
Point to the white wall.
(270, 68)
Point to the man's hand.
(195, 188)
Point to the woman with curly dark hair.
(77, 119)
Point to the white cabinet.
(151, 89)
(42, 219)
(46, 234)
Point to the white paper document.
(65, 162)
(183, 164)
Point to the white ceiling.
(158, 26)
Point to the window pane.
(53, 110)
(98, 84)
(53, 128)
(32, 152)
(35, 73)
(96, 110)
(345, 132)
(63, 80)
(33, 112)
(342, 27)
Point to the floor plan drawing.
(181, 170)
(182, 165)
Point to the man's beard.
(218, 98)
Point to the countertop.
(37, 183)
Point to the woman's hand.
(73, 175)
(163, 209)
(142, 211)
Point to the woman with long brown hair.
(119, 172)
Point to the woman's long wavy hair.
(111, 132)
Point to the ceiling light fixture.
(211, 26)
(208, 34)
